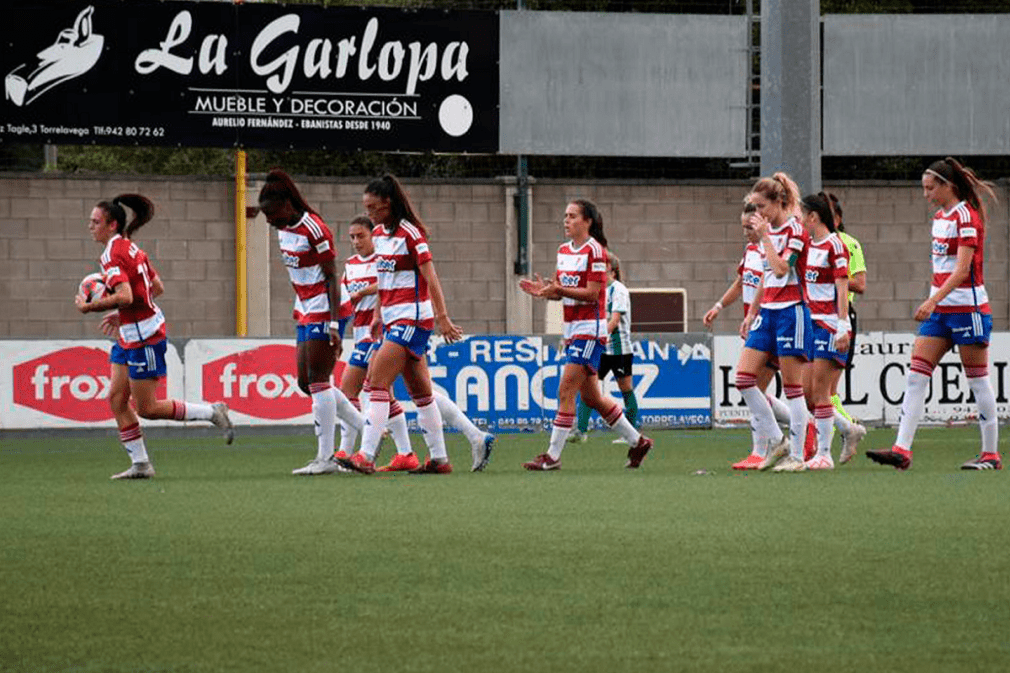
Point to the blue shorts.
(145, 362)
(411, 337)
(782, 332)
(961, 328)
(314, 331)
(585, 352)
(824, 346)
(362, 353)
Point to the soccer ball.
(92, 287)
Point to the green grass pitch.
(226, 562)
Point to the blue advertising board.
(510, 383)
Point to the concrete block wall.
(667, 235)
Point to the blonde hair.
(779, 188)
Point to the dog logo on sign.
(75, 51)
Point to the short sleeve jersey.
(141, 323)
(403, 291)
(750, 271)
(827, 260)
(305, 246)
(959, 226)
(857, 262)
(359, 273)
(619, 301)
(577, 266)
(789, 239)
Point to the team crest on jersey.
(810, 276)
(385, 265)
(568, 280)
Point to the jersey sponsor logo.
(261, 382)
(357, 286)
(569, 280)
(71, 383)
(290, 260)
(940, 248)
(750, 278)
(384, 265)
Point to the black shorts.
(619, 364)
(852, 342)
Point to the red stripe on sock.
(792, 392)
(824, 411)
(564, 420)
(745, 380)
(394, 408)
(356, 402)
(423, 401)
(924, 367)
(178, 410)
(318, 387)
(378, 395)
(613, 415)
(976, 372)
(130, 433)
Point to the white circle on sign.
(455, 115)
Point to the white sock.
(619, 423)
(191, 411)
(133, 441)
(912, 406)
(986, 401)
(455, 418)
(324, 412)
(397, 425)
(824, 419)
(348, 433)
(378, 414)
(559, 434)
(347, 411)
(779, 409)
(842, 424)
(430, 422)
(797, 420)
(758, 447)
(760, 409)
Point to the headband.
(934, 173)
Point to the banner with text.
(259, 75)
(874, 388)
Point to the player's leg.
(974, 349)
(417, 379)
(612, 415)
(130, 434)
(481, 443)
(386, 364)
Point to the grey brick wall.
(669, 235)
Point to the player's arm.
(157, 287)
(329, 269)
(732, 293)
(588, 293)
(857, 283)
(364, 292)
(121, 297)
(755, 308)
(449, 331)
(954, 280)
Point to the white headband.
(932, 172)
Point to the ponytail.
(592, 213)
(836, 210)
(400, 207)
(967, 186)
(280, 187)
(142, 207)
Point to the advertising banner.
(259, 75)
(59, 384)
(874, 388)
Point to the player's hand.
(710, 316)
(745, 327)
(110, 323)
(450, 332)
(842, 342)
(532, 286)
(551, 290)
(925, 310)
(336, 342)
(376, 329)
(760, 225)
(81, 303)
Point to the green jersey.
(857, 263)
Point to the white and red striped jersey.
(577, 267)
(305, 245)
(750, 271)
(786, 291)
(403, 291)
(826, 261)
(959, 226)
(142, 322)
(359, 273)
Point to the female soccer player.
(778, 323)
(359, 298)
(956, 312)
(827, 288)
(411, 304)
(307, 249)
(578, 284)
(138, 357)
(745, 286)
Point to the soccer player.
(956, 312)
(578, 284)
(778, 323)
(411, 304)
(745, 286)
(827, 289)
(138, 357)
(857, 285)
(359, 298)
(306, 246)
